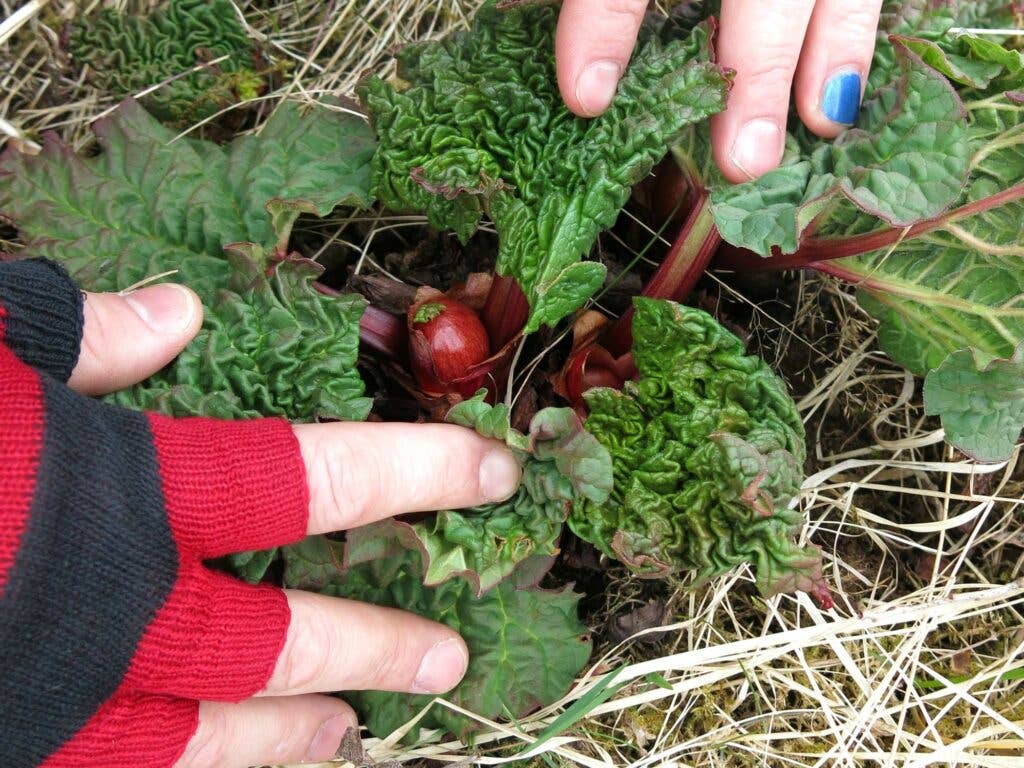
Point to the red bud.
(446, 339)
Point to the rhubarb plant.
(474, 124)
(562, 464)
(127, 54)
(708, 453)
(920, 206)
(217, 219)
(682, 453)
(526, 644)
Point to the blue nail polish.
(840, 101)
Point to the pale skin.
(358, 473)
(777, 47)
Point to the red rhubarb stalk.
(815, 250)
(505, 311)
(679, 272)
(383, 332)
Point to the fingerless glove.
(112, 629)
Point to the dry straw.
(919, 664)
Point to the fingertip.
(500, 474)
(596, 86)
(748, 151)
(127, 337)
(762, 43)
(168, 309)
(828, 108)
(269, 731)
(327, 741)
(593, 45)
(443, 666)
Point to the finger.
(834, 64)
(267, 732)
(344, 645)
(129, 336)
(359, 473)
(761, 40)
(593, 43)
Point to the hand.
(357, 473)
(827, 45)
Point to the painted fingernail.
(165, 308)
(840, 99)
(758, 147)
(596, 86)
(325, 744)
(499, 475)
(441, 668)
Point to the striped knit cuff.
(41, 315)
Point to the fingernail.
(840, 98)
(499, 475)
(758, 147)
(596, 86)
(165, 308)
(442, 667)
(325, 744)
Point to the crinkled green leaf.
(906, 160)
(148, 204)
(315, 563)
(959, 283)
(526, 645)
(127, 54)
(562, 464)
(477, 125)
(707, 449)
(251, 566)
(956, 67)
(270, 344)
(921, 19)
(981, 402)
(948, 275)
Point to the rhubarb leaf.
(906, 160)
(562, 464)
(949, 274)
(981, 402)
(127, 54)
(251, 566)
(313, 564)
(477, 126)
(957, 283)
(707, 449)
(526, 645)
(147, 204)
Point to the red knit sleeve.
(112, 627)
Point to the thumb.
(593, 43)
(127, 337)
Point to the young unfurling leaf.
(708, 451)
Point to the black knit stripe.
(43, 308)
(96, 562)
